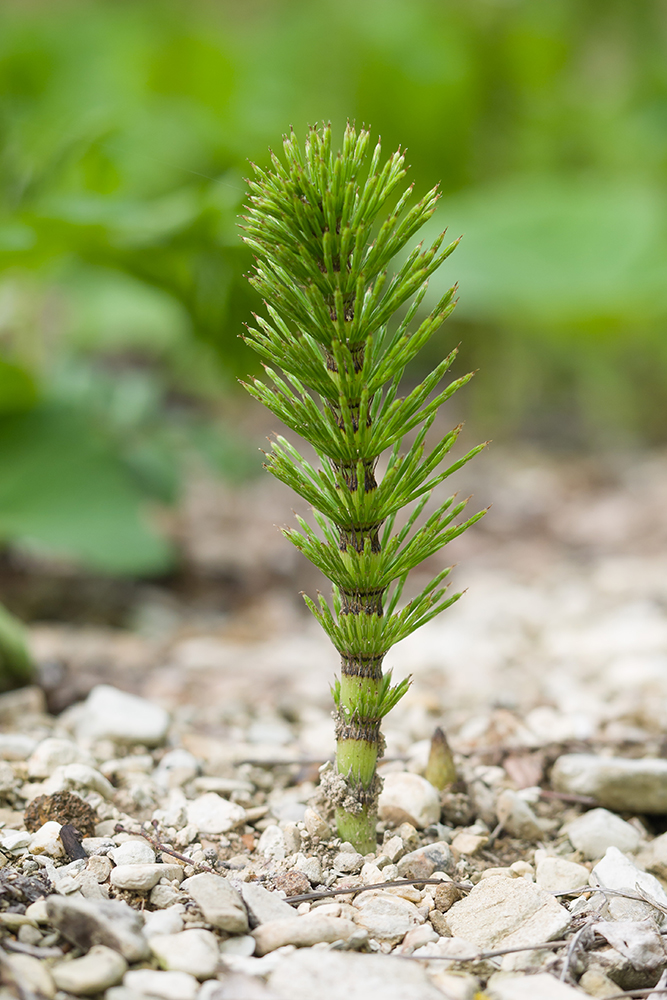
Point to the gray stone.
(616, 782)
(142, 878)
(133, 852)
(424, 861)
(165, 985)
(303, 932)
(220, 903)
(316, 826)
(386, 917)
(616, 871)
(176, 768)
(167, 921)
(654, 856)
(194, 951)
(311, 868)
(54, 752)
(243, 945)
(348, 861)
(540, 987)
(16, 746)
(212, 814)
(336, 975)
(87, 922)
(409, 797)
(637, 941)
(393, 848)
(100, 968)
(163, 896)
(595, 831)
(516, 816)
(78, 778)
(504, 912)
(237, 986)
(30, 973)
(116, 715)
(264, 906)
(272, 843)
(559, 875)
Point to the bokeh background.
(125, 134)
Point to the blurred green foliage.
(124, 133)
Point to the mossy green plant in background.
(342, 296)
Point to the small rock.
(616, 782)
(219, 901)
(272, 843)
(303, 932)
(167, 921)
(163, 896)
(654, 856)
(542, 986)
(385, 916)
(439, 923)
(348, 861)
(337, 975)
(638, 942)
(393, 848)
(292, 837)
(176, 768)
(100, 968)
(87, 922)
(52, 753)
(116, 715)
(16, 746)
(616, 871)
(63, 807)
(142, 878)
(316, 826)
(596, 984)
(409, 797)
(291, 883)
(78, 778)
(516, 816)
(47, 840)
(15, 841)
(212, 814)
(37, 912)
(417, 938)
(426, 860)
(408, 834)
(503, 913)
(194, 951)
(595, 831)
(469, 843)
(133, 852)
(263, 906)
(243, 945)
(237, 986)
(32, 975)
(311, 868)
(446, 895)
(165, 985)
(559, 875)
(457, 985)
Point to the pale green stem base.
(358, 829)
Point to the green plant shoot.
(342, 299)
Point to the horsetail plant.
(334, 282)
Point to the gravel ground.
(196, 739)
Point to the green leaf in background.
(16, 665)
(552, 252)
(18, 391)
(64, 492)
